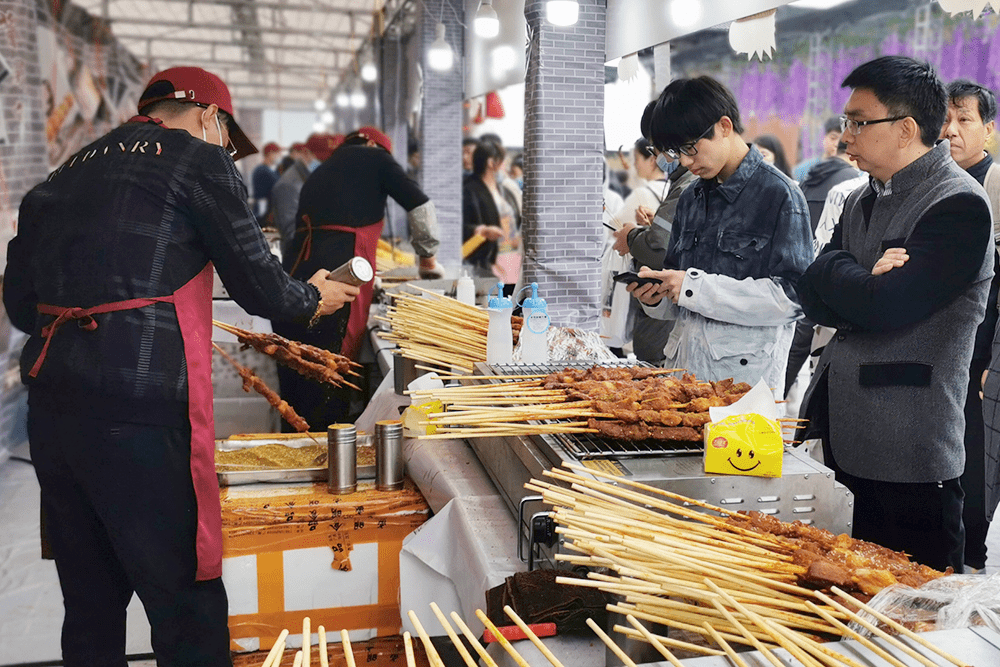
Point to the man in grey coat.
(905, 281)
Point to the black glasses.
(855, 125)
(689, 148)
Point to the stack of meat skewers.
(632, 404)
(728, 578)
(307, 360)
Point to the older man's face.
(966, 132)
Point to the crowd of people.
(879, 260)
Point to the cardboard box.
(296, 550)
(747, 444)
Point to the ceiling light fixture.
(440, 56)
(685, 13)
(319, 104)
(343, 100)
(358, 97)
(486, 23)
(562, 12)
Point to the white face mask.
(218, 126)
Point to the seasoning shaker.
(356, 271)
(342, 458)
(389, 455)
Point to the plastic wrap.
(573, 344)
(948, 603)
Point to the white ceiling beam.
(166, 39)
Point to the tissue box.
(747, 444)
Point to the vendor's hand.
(893, 258)
(429, 269)
(333, 294)
(982, 383)
(644, 215)
(621, 239)
(490, 232)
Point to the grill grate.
(582, 446)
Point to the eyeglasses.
(690, 148)
(855, 125)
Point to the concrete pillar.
(661, 66)
(564, 162)
(441, 128)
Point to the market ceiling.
(272, 53)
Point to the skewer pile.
(804, 649)
(715, 576)
(308, 361)
(631, 404)
(438, 330)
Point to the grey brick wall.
(441, 129)
(23, 161)
(564, 162)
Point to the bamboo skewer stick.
(763, 650)
(610, 643)
(902, 629)
(459, 646)
(324, 657)
(432, 654)
(667, 641)
(345, 642)
(521, 662)
(298, 659)
(656, 643)
(717, 638)
(276, 649)
(473, 640)
(307, 642)
(680, 625)
(408, 648)
(553, 660)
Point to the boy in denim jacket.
(741, 239)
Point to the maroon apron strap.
(193, 302)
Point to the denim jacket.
(743, 245)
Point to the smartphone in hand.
(630, 277)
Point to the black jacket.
(824, 175)
(479, 208)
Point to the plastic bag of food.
(948, 603)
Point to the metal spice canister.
(388, 455)
(342, 458)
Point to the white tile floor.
(30, 602)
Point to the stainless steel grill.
(583, 446)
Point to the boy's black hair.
(646, 123)
(470, 141)
(687, 108)
(906, 87)
(959, 89)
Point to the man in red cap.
(264, 177)
(340, 216)
(285, 194)
(111, 274)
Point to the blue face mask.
(663, 163)
(312, 165)
(520, 183)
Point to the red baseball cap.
(272, 148)
(297, 146)
(195, 85)
(373, 134)
(322, 145)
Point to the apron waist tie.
(306, 250)
(83, 317)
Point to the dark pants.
(121, 517)
(649, 337)
(974, 477)
(922, 519)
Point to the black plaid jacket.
(137, 213)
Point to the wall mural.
(86, 89)
(779, 90)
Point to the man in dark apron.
(340, 216)
(111, 274)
